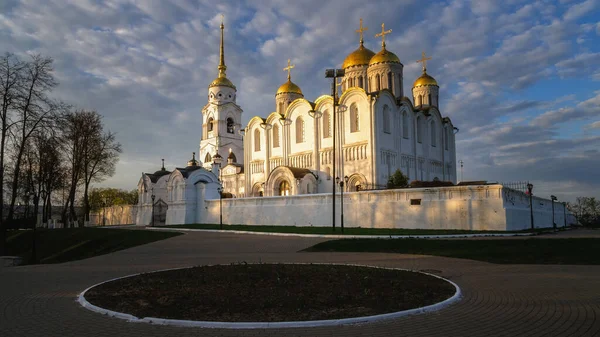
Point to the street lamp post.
(342, 182)
(553, 198)
(565, 213)
(334, 74)
(153, 197)
(530, 189)
(33, 243)
(220, 190)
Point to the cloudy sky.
(520, 79)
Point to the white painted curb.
(262, 325)
(337, 236)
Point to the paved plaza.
(499, 300)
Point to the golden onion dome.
(193, 161)
(384, 56)
(289, 87)
(359, 57)
(221, 81)
(425, 80)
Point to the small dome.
(384, 56)
(231, 158)
(193, 161)
(425, 80)
(221, 81)
(359, 57)
(289, 87)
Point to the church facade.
(304, 146)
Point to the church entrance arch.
(258, 190)
(356, 182)
(160, 213)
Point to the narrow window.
(390, 80)
(256, 140)
(208, 158)
(377, 82)
(299, 130)
(386, 119)
(354, 119)
(281, 108)
(433, 136)
(209, 124)
(275, 135)
(360, 81)
(419, 130)
(405, 125)
(429, 99)
(230, 125)
(326, 124)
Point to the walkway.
(499, 300)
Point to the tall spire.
(222, 67)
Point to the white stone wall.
(487, 207)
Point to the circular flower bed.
(270, 292)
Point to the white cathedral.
(302, 147)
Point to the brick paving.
(499, 300)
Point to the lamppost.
(153, 196)
(334, 74)
(337, 180)
(33, 245)
(530, 189)
(217, 159)
(553, 198)
(220, 190)
(565, 213)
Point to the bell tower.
(221, 117)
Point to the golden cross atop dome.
(424, 60)
(383, 34)
(361, 30)
(289, 69)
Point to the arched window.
(354, 119)
(420, 100)
(387, 125)
(209, 124)
(377, 82)
(390, 81)
(350, 83)
(208, 158)
(328, 172)
(256, 140)
(230, 125)
(429, 99)
(446, 138)
(299, 130)
(405, 124)
(284, 188)
(419, 129)
(360, 81)
(275, 135)
(326, 124)
(433, 134)
(281, 108)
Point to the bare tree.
(93, 155)
(33, 109)
(10, 70)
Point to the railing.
(257, 166)
(275, 162)
(516, 185)
(356, 152)
(301, 160)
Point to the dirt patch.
(270, 293)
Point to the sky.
(520, 79)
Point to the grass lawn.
(62, 245)
(522, 251)
(347, 231)
(269, 292)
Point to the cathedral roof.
(289, 87)
(384, 56)
(359, 57)
(425, 80)
(192, 162)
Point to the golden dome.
(289, 87)
(384, 56)
(425, 80)
(359, 57)
(221, 81)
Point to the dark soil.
(270, 293)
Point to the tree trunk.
(15, 184)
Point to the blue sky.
(521, 79)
